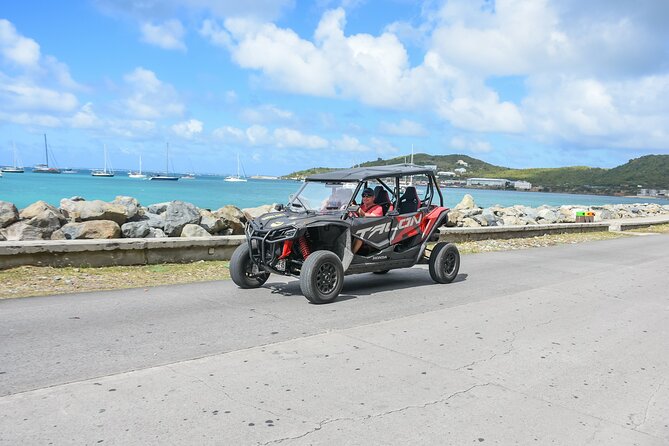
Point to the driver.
(367, 209)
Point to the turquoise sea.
(212, 192)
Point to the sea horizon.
(212, 192)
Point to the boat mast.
(46, 152)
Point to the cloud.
(266, 114)
(349, 144)
(167, 35)
(17, 49)
(260, 136)
(149, 97)
(403, 128)
(470, 145)
(188, 129)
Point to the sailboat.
(44, 168)
(167, 176)
(137, 174)
(104, 172)
(236, 178)
(15, 166)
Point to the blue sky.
(294, 84)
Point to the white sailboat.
(105, 172)
(137, 174)
(15, 168)
(167, 176)
(44, 168)
(236, 178)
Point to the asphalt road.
(563, 345)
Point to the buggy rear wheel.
(321, 277)
(444, 262)
(242, 269)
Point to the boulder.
(22, 231)
(156, 233)
(547, 216)
(38, 208)
(212, 223)
(467, 202)
(233, 218)
(158, 208)
(48, 221)
(489, 216)
(93, 210)
(154, 220)
(194, 231)
(470, 223)
(133, 210)
(179, 214)
(135, 229)
(92, 229)
(8, 214)
(58, 235)
(251, 213)
(513, 220)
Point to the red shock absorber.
(305, 250)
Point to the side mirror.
(353, 208)
(279, 207)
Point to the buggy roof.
(365, 173)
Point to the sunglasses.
(367, 195)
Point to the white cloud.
(149, 97)
(403, 128)
(188, 129)
(167, 35)
(349, 144)
(257, 135)
(17, 95)
(284, 137)
(470, 145)
(85, 118)
(266, 114)
(16, 48)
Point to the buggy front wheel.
(444, 262)
(321, 277)
(242, 269)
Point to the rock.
(8, 214)
(251, 213)
(21, 231)
(211, 222)
(77, 198)
(154, 220)
(547, 216)
(93, 229)
(2, 237)
(513, 220)
(58, 235)
(467, 202)
(470, 223)
(233, 218)
(194, 231)
(489, 216)
(135, 229)
(37, 208)
(156, 233)
(93, 210)
(177, 215)
(132, 207)
(158, 208)
(47, 222)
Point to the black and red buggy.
(311, 236)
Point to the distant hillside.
(651, 171)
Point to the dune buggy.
(311, 236)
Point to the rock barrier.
(467, 214)
(124, 217)
(77, 219)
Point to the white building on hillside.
(522, 185)
(460, 170)
(462, 163)
(488, 182)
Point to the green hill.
(651, 171)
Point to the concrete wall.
(190, 249)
